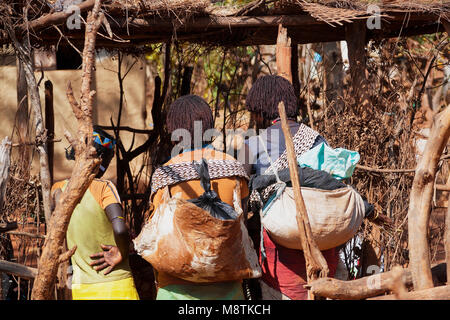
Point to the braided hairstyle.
(267, 92)
(187, 109)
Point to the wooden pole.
(18, 270)
(283, 54)
(355, 35)
(316, 265)
(84, 170)
(49, 125)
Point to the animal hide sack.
(185, 241)
(334, 215)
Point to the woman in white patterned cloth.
(284, 269)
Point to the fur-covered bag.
(187, 242)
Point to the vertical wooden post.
(334, 74)
(316, 265)
(294, 70)
(49, 125)
(355, 35)
(186, 81)
(283, 54)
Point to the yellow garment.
(89, 227)
(113, 290)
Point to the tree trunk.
(420, 201)
(22, 119)
(24, 54)
(84, 170)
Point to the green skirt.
(216, 291)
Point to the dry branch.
(420, 201)
(316, 265)
(26, 234)
(84, 170)
(436, 293)
(366, 287)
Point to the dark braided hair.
(267, 92)
(184, 111)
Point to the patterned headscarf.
(104, 144)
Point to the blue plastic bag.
(340, 163)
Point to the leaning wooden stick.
(316, 265)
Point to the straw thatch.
(135, 23)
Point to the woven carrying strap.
(185, 171)
(303, 140)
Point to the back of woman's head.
(185, 111)
(267, 92)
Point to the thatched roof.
(134, 23)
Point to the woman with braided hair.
(190, 117)
(284, 269)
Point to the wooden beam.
(18, 270)
(50, 19)
(7, 226)
(213, 22)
